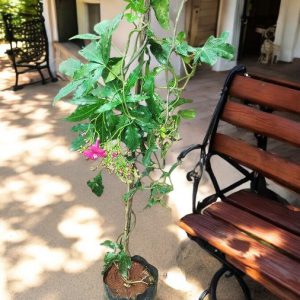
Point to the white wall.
(230, 12)
(110, 9)
(287, 34)
(47, 13)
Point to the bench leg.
(17, 87)
(212, 290)
(42, 76)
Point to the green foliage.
(96, 185)
(118, 257)
(161, 9)
(214, 48)
(119, 103)
(16, 8)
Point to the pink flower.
(94, 151)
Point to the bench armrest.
(186, 151)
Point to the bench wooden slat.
(281, 269)
(260, 122)
(264, 93)
(254, 225)
(278, 81)
(286, 217)
(274, 288)
(271, 165)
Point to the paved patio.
(51, 224)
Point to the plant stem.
(128, 213)
(170, 53)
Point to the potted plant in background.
(127, 123)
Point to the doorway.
(66, 19)
(257, 17)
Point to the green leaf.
(109, 259)
(82, 112)
(130, 18)
(136, 98)
(81, 127)
(96, 185)
(108, 26)
(105, 30)
(155, 106)
(86, 100)
(112, 245)
(113, 69)
(128, 195)
(181, 37)
(78, 143)
(160, 51)
(180, 101)
(132, 138)
(66, 90)
(214, 48)
(137, 6)
(161, 9)
(187, 113)
(152, 202)
(109, 106)
(133, 77)
(124, 263)
(87, 69)
(151, 148)
(92, 52)
(84, 88)
(69, 66)
(182, 49)
(85, 36)
(158, 188)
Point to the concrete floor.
(51, 224)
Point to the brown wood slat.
(270, 263)
(274, 288)
(271, 165)
(263, 230)
(286, 217)
(280, 81)
(260, 92)
(261, 122)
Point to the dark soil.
(123, 290)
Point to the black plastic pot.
(150, 292)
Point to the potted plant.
(127, 122)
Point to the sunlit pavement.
(51, 225)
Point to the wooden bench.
(251, 231)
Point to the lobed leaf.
(214, 48)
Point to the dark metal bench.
(29, 49)
(251, 231)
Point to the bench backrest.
(268, 109)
